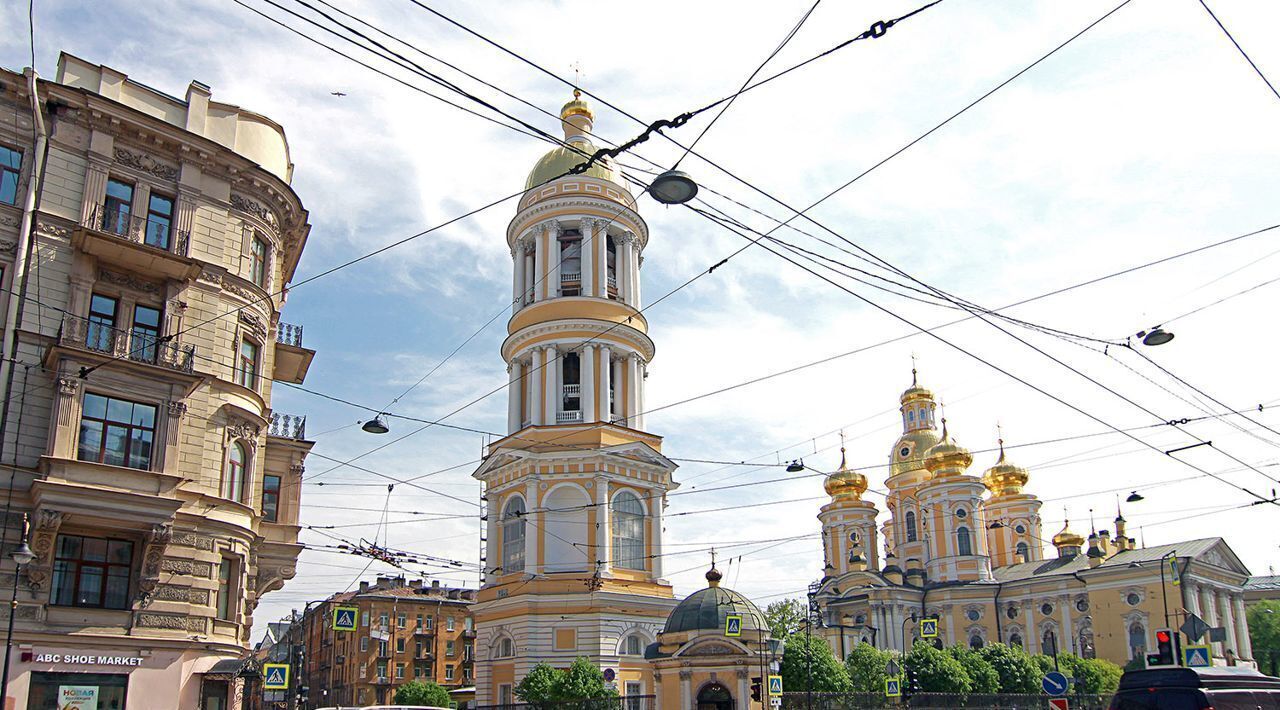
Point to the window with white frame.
(235, 474)
(628, 531)
(513, 536)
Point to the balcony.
(134, 346)
(292, 360)
(570, 277)
(288, 426)
(145, 244)
(568, 417)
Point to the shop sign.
(87, 660)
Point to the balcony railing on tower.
(288, 426)
(135, 345)
(146, 230)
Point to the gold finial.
(577, 79)
(1000, 441)
(843, 466)
(913, 370)
(713, 574)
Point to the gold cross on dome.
(713, 558)
(577, 74)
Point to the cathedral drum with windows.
(575, 492)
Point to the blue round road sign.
(1054, 683)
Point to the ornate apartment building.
(407, 630)
(151, 238)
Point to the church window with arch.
(911, 526)
(513, 536)
(632, 646)
(628, 531)
(1024, 551)
(975, 642)
(1137, 640)
(1015, 640)
(963, 544)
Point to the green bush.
(417, 692)
(545, 684)
(865, 666)
(982, 675)
(937, 671)
(828, 675)
(1017, 672)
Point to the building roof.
(707, 609)
(1080, 563)
(1267, 582)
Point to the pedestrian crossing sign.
(1173, 572)
(275, 676)
(775, 685)
(1196, 656)
(929, 628)
(733, 625)
(893, 687)
(344, 618)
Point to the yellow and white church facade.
(969, 551)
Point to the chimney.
(1104, 541)
(415, 584)
(364, 586)
(435, 584)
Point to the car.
(1215, 688)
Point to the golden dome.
(947, 454)
(1005, 478)
(910, 449)
(915, 392)
(1066, 538)
(845, 483)
(561, 160)
(577, 107)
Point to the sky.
(1147, 136)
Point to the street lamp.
(1134, 497)
(376, 425)
(1155, 336)
(795, 466)
(21, 556)
(673, 188)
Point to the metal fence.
(971, 701)
(626, 702)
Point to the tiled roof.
(1268, 582)
(1080, 563)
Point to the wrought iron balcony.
(145, 230)
(288, 426)
(289, 334)
(571, 416)
(136, 345)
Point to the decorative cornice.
(625, 333)
(253, 207)
(146, 163)
(605, 209)
(128, 281)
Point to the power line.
(1241, 49)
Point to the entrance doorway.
(714, 697)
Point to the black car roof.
(1215, 677)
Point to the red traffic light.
(1162, 636)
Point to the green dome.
(706, 610)
(560, 160)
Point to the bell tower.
(575, 492)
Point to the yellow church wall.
(577, 308)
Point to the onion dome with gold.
(845, 483)
(915, 392)
(1005, 478)
(947, 457)
(1067, 538)
(918, 432)
(576, 117)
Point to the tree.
(865, 666)
(1095, 675)
(539, 686)
(785, 617)
(828, 674)
(982, 674)
(546, 685)
(1264, 633)
(1044, 663)
(1017, 672)
(417, 692)
(936, 671)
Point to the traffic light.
(757, 688)
(1166, 649)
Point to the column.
(587, 376)
(550, 384)
(533, 529)
(643, 373)
(553, 259)
(1223, 601)
(1031, 636)
(603, 523)
(601, 249)
(624, 271)
(529, 279)
(537, 396)
(587, 226)
(517, 275)
(491, 537)
(635, 280)
(95, 190)
(515, 389)
(1193, 598)
(655, 508)
(744, 693)
(1210, 614)
(1069, 642)
(539, 264)
(1242, 627)
(633, 389)
(606, 373)
(686, 693)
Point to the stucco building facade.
(151, 237)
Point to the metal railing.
(148, 231)
(289, 334)
(625, 702)
(800, 700)
(288, 426)
(137, 346)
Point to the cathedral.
(968, 550)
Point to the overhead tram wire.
(1244, 54)
(781, 45)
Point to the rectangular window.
(258, 262)
(159, 221)
(270, 498)
(468, 624)
(430, 622)
(417, 672)
(504, 694)
(401, 620)
(449, 648)
(100, 331)
(384, 620)
(419, 620)
(418, 650)
(399, 671)
(117, 207)
(116, 431)
(382, 670)
(364, 618)
(144, 339)
(448, 623)
(468, 652)
(383, 649)
(448, 672)
(227, 578)
(92, 572)
(364, 643)
(400, 645)
(247, 364)
(10, 169)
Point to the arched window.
(1049, 644)
(513, 536)
(963, 546)
(1024, 551)
(975, 642)
(1137, 640)
(234, 477)
(628, 531)
(506, 649)
(911, 415)
(1015, 640)
(911, 526)
(631, 646)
